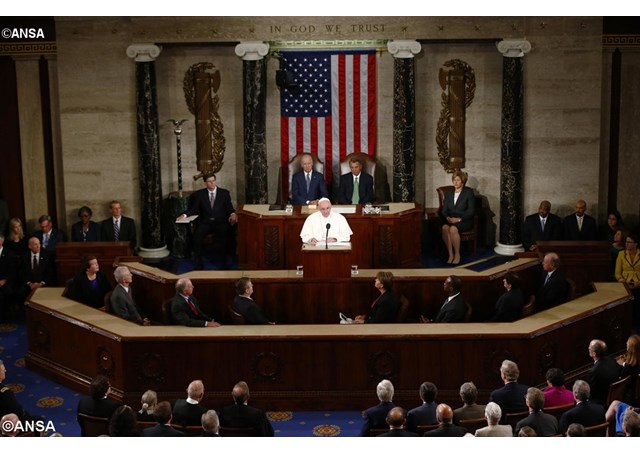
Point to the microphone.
(326, 240)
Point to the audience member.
(8, 277)
(162, 415)
(458, 209)
(216, 215)
(375, 417)
(493, 414)
(90, 285)
(444, 415)
(579, 226)
(385, 308)
(49, 236)
(607, 230)
(9, 425)
(241, 415)
(188, 412)
(631, 424)
(425, 414)
(556, 394)
(325, 225)
(307, 186)
(185, 309)
(615, 413)
(355, 187)
(605, 371)
(469, 410)
(37, 270)
(122, 303)
(630, 366)
(210, 424)
(85, 230)
(123, 423)
(554, 288)
(542, 226)
(544, 425)
(586, 412)
(454, 309)
(576, 430)
(628, 268)
(98, 403)
(618, 245)
(245, 305)
(118, 227)
(510, 397)
(17, 242)
(4, 216)
(396, 421)
(8, 401)
(509, 305)
(149, 402)
(527, 431)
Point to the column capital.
(143, 53)
(513, 48)
(252, 50)
(400, 48)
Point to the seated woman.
(617, 246)
(509, 305)
(385, 307)
(458, 209)
(17, 242)
(630, 366)
(85, 230)
(628, 271)
(607, 230)
(149, 401)
(90, 285)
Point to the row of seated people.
(163, 419)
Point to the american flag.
(332, 113)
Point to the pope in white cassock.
(315, 227)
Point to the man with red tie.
(185, 310)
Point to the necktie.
(579, 223)
(45, 240)
(546, 280)
(355, 197)
(192, 306)
(308, 181)
(116, 230)
(542, 222)
(36, 268)
(212, 198)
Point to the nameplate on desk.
(344, 209)
(332, 245)
(276, 208)
(382, 207)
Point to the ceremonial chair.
(293, 167)
(236, 432)
(557, 411)
(91, 426)
(370, 166)
(617, 390)
(236, 318)
(167, 320)
(597, 430)
(421, 429)
(529, 308)
(473, 424)
(572, 290)
(514, 418)
(467, 317)
(470, 236)
(107, 302)
(403, 311)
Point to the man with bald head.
(241, 415)
(554, 288)
(541, 226)
(325, 225)
(9, 425)
(605, 371)
(444, 414)
(185, 309)
(396, 421)
(579, 226)
(188, 412)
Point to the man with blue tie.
(307, 186)
(355, 187)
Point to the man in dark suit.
(122, 303)
(118, 227)
(215, 215)
(542, 226)
(245, 305)
(579, 226)
(185, 309)
(241, 415)
(470, 409)
(604, 372)
(586, 412)
(37, 269)
(375, 417)
(307, 186)
(511, 396)
(554, 288)
(8, 276)
(188, 412)
(162, 414)
(454, 308)
(98, 404)
(444, 414)
(424, 414)
(49, 237)
(210, 424)
(545, 425)
(396, 420)
(355, 187)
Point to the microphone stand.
(326, 239)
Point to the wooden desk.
(328, 264)
(271, 239)
(69, 255)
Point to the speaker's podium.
(333, 261)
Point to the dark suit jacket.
(604, 372)
(182, 315)
(46, 268)
(449, 430)
(124, 306)
(570, 230)
(187, 414)
(468, 412)
(375, 417)
(9, 404)
(83, 291)
(317, 188)
(586, 413)
(385, 310)
(365, 188)
(532, 230)
(453, 311)
(93, 233)
(102, 407)
(398, 433)
(465, 208)
(509, 306)
(162, 431)
(7, 267)
(555, 292)
(510, 398)
(55, 236)
(249, 310)
(127, 231)
(222, 206)
(544, 425)
(422, 415)
(243, 416)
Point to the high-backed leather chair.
(470, 236)
(295, 166)
(371, 167)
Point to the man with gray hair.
(185, 309)
(325, 225)
(493, 414)
(470, 410)
(554, 288)
(375, 417)
(544, 425)
(122, 303)
(9, 425)
(511, 396)
(210, 424)
(585, 412)
(188, 412)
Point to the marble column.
(152, 242)
(254, 69)
(404, 119)
(510, 240)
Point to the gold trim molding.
(378, 44)
(29, 48)
(620, 40)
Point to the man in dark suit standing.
(542, 226)
(37, 270)
(510, 397)
(604, 372)
(579, 226)
(118, 227)
(241, 415)
(245, 305)
(48, 236)
(185, 309)
(162, 414)
(215, 215)
(355, 187)
(444, 414)
(554, 288)
(586, 412)
(454, 308)
(122, 303)
(396, 421)
(307, 186)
